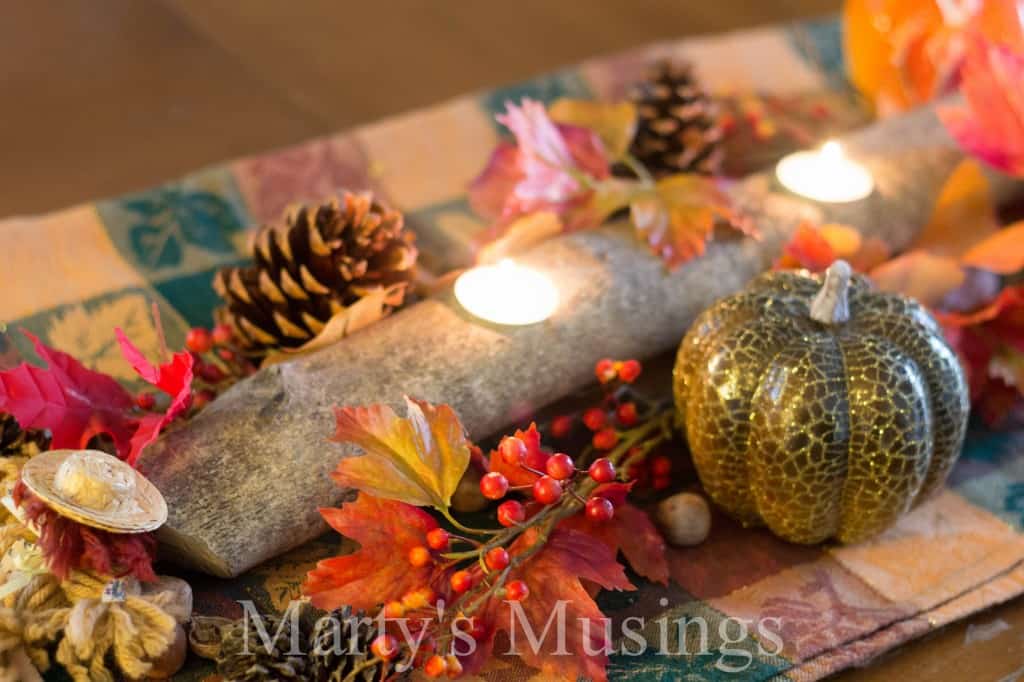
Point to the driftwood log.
(245, 478)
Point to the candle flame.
(832, 151)
(507, 293)
(825, 174)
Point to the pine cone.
(243, 657)
(321, 260)
(677, 123)
(15, 442)
(339, 644)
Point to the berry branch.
(563, 486)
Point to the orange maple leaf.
(677, 218)
(379, 572)
(1002, 253)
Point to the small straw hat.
(95, 489)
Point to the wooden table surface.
(100, 97)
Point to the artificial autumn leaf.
(554, 577)
(535, 458)
(921, 275)
(73, 402)
(964, 214)
(901, 53)
(542, 171)
(808, 249)
(379, 571)
(815, 248)
(677, 218)
(632, 532)
(173, 378)
(1002, 253)
(991, 126)
(998, 402)
(990, 343)
(614, 123)
(1009, 303)
(419, 459)
(521, 234)
(372, 306)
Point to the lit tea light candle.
(507, 293)
(825, 175)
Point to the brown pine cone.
(245, 657)
(320, 261)
(677, 123)
(339, 649)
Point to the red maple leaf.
(630, 531)
(380, 571)
(535, 458)
(173, 378)
(990, 343)
(556, 577)
(75, 403)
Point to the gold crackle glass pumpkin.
(818, 406)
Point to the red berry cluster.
(614, 412)
(654, 471)
(218, 364)
(614, 418)
(608, 370)
(556, 475)
(477, 564)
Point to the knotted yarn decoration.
(118, 617)
(31, 619)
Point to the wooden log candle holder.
(244, 479)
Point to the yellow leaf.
(615, 123)
(1002, 253)
(921, 275)
(964, 213)
(417, 460)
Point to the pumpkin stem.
(832, 305)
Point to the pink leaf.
(991, 126)
(542, 171)
(490, 190)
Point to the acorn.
(685, 519)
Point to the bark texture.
(243, 481)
